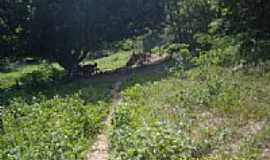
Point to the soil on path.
(100, 149)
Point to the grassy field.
(216, 114)
(8, 79)
(164, 114)
(44, 120)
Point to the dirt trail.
(100, 149)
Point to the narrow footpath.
(100, 149)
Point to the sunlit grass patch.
(9, 79)
(218, 111)
(111, 62)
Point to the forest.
(134, 79)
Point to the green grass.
(52, 121)
(59, 128)
(210, 113)
(59, 122)
(112, 62)
(9, 79)
(216, 114)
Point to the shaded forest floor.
(165, 113)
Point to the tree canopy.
(67, 31)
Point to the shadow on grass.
(93, 89)
(17, 66)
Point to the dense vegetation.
(60, 60)
(43, 119)
(68, 31)
(209, 115)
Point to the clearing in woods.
(100, 149)
(202, 114)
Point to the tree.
(244, 21)
(250, 19)
(66, 31)
(188, 17)
(247, 16)
(14, 20)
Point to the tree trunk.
(1, 126)
(74, 71)
(71, 66)
(1, 121)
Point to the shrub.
(5, 65)
(59, 128)
(223, 51)
(130, 139)
(223, 93)
(182, 57)
(41, 78)
(125, 45)
(254, 51)
(159, 142)
(180, 50)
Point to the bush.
(179, 49)
(49, 129)
(223, 93)
(41, 78)
(223, 51)
(159, 142)
(125, 45)
(5, 65)
(156, 141)
(254, 51)
(217, 89)
(182, 56)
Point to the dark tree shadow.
(94, 89)
(16, 66)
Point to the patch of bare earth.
(266, 153)
(266, 150)
(244, 133)
(100, 149)
(234, 141)
(248, 131)
(137, 60)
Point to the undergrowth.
(208, 113)
(59, 128)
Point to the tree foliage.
(67, 31)
(188, 17)
(245, 21)
(14, 20)
(251, 19)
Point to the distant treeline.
(68, 31)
